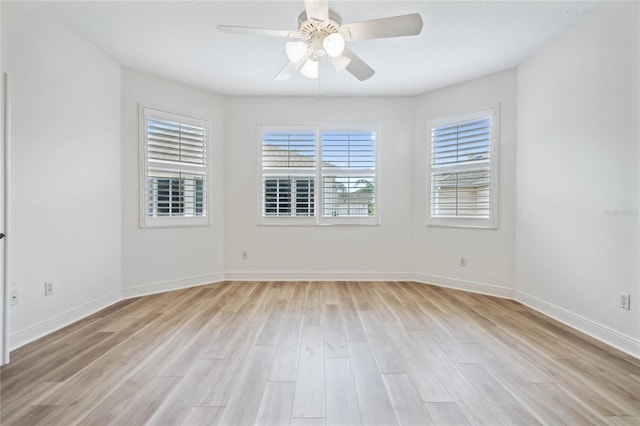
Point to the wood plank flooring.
(319, 353)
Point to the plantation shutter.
(348, 173)
(461, 143)
(461, 169)
(288, 170)
(289, 150)
(176, 167)
(176, 142)
(315, 176)
(348, 150)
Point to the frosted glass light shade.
(333, 44)
(310, 69)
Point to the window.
(462, 178)
(348, 174)
(318, 176)
(174, 169)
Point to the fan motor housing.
(310, 28)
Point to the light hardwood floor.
(334, 353)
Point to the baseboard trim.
(620, 341)
(318, 276)
(161, 287)
(470, 286)
(41, 329)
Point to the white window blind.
(461, 194)
(462, 172)
(348, 173)
(349, 150)
(289, 150)
(175, 142)
(289, 196)
(288, 170)
(317, 177)
(348, 196)
(461, 143)
(175, 169)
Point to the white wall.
(317, 252)
(490, 254)
(65, 203)
(161, 259)
(4, 334)
(578, 181)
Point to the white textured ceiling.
(178, 40)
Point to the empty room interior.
(320, 213)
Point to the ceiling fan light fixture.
(333, 44)
(296, 50)
(310, 69)
(321, 34)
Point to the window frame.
(317, 174)
(493, 165)
(145, 221)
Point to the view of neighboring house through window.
(463, 178)
(175, 169)
(325, 176)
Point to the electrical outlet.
(48, 288)
(13, 297)
(463, 261)
(245, 255)
(625, 301)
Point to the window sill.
(462, 223)
(319, 222)
(174, 222)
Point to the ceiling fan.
(321, 34)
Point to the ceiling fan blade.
(258, 31)
(395, 26)
(318, 10)
(357, 67)
(340, 63)
(291, 67)
(286, 72)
